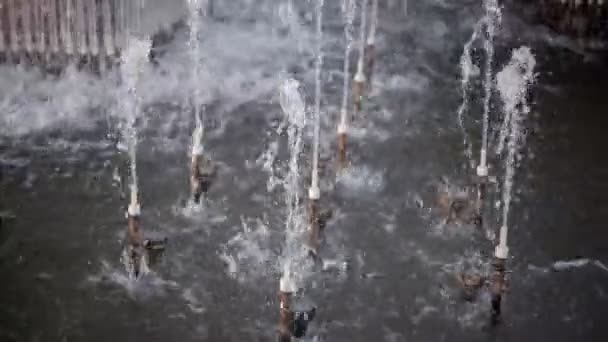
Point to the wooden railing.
(585, 20)
(48, 31)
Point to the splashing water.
(348, 10)
(466, 72)
(513, 83)
(133, 58)
(493, 18)
(317, 113)
(294, 108)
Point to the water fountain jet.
(513, 83)
(314, 192)
(492, 17)
(371, 44)
(349, 16)
(359, 80)
(201, 168)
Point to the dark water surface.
(62, 279)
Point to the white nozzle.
(482, 170)
(501, 252)
(197, 149)
(134, 200)
(359, 76)
(371, 40)
(134, 209)
(314, 193)
(197, 138)
(342, 128)
(287, 284)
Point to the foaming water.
(249, 254)
(567, 265)
(31, 102)
(469, 314)
(148, 285)
(361, 179)
(513, 83)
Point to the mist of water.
(466, 71)
(317, 108)
(493, 18)
(513, 84)
(295, 110)
(348, 10)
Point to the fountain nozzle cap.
(482, 170)
(197, 150)
(342, 128)
(371, 40)
(314, 193)
(360, 77)
(501, 252)
(134, 210)
(286, 284)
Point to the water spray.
(513, 82)
(133, 58)
(295, 111)
(199, 178)
(314, 193)
(492, 17)
(371, 43)
(360, 79)
(349, 16)
(466, 71)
